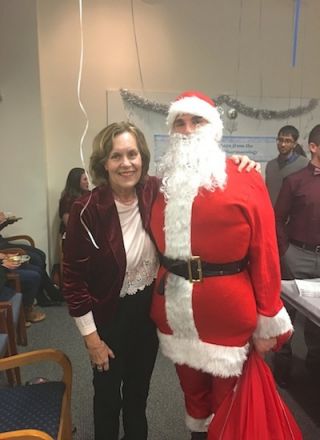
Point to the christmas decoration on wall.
(146, 104)
(257, 113)
(232, 113)
(235, 107)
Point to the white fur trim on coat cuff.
(198, 425)
(271, 327)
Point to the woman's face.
(124, 164)
(84, 184)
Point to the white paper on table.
(309, 288)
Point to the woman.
(76, 185)
(110, 263)
(30, 278)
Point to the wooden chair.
(19, 320)
(32, 410)
(4, 347)
(27, 238)
(26, 434)
(13, 323)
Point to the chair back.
(26, 434)
(45, 406)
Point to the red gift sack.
(254, 410)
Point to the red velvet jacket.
(93, 277)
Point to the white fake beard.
(192, 161)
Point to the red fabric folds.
(255, 409)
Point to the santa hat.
(196, 103)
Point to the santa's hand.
(99, 352)
(245, 162)
(262, 346)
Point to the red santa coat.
(208, 325)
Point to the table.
(309, 307)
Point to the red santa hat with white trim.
(196, 103)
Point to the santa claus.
(218, 287)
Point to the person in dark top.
(47, 294)
(289, 160)
(76, 185)
(297, 214)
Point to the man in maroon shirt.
(297, 213)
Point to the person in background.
(48, 294)
(300, 150)
(110, 264)
(76, 185)
(297, 214)
(218, 286)
(30, 282)
(288, 161)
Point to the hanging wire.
(130, 112)
(239, 49)
(301, 75)
(79, 92)
(304, 123)
(261, 88)
(137, 47)
(86, 125)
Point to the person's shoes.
(282, 375)
(198, 435)
(46, 302)
(313, 367)
(32, 315)
(28, 324)
(55, 294)
(43, 300)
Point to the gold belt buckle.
(199, 269)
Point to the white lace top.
(142, 260)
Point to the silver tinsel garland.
(237, 106)
(146, 104)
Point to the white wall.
(212, 45)
(23, 171)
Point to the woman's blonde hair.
(103, 144)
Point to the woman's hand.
(246, 163)
(8, 263)
(262, 346)
(3, 217)
(99, 352)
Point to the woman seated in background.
(48, 294)
(30, 278)
(76, 185)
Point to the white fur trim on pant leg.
(198, 425)
(270, 327)
(218, 360)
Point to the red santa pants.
(203, 393)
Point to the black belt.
(308, 247)
(194, 270)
